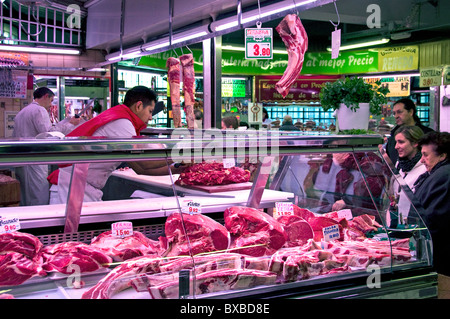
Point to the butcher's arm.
(155, 168)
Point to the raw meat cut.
(343, 179)
(364, 223)
(295, 38)
(16, 268)
(173, 77)
(318, 223)
(23, 243)
(303, 212)
(215, 281)
(121, 249)
(249, 226)
(203, 234)
(61, 257)
(187, 64)
(297, 229)
(120, 277)
(210, 174)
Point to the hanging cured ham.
(187, 64)
(295, 38)
(173, 77)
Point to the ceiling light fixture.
(267, 11)
(17, 48)
(362, 44)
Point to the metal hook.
(295, 6)
(339, 18)
(189, 49)
(175, 52)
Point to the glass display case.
(258, 214)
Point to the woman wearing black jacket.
(432, 190)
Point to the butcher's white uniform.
(28, 123)
(98, 173)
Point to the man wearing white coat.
(31, 121)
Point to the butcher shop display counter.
(255, 215)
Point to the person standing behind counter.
(288, 125)
(121, 121)
(432, 191)
(31, 121)
(405, 113)
(408, 167)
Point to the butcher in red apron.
(121, 121)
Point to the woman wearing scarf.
(408, 167)
(432, 191)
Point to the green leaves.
(351, 92)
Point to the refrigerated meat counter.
(316, 222)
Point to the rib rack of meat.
(187, 64)
(173, 77)
(295, 38)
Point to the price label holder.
(229, 162)
(335, 43)
(190, 207)
(259, 43)
(9, 224)
(331, 233)
(122, 229)
(345, 213)
(283, 209)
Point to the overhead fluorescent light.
(189, 37)
(125, 56)
(97, 70)
(362, 44)
(17, 48)
(255, 14)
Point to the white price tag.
(345, 213)
(283, 209)
(229, 162)
(331, 233)
(122, 229)
(190, 207)
(335, 43)
(9, 224)
(258, 43)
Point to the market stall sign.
(331, 233)
(397, 85)
(304, 89)
(233, 88)
(283, 209)
(122, 229)
(258, 43)
(190, 207)
(9, 224)
(403, 58)
(431, 76)
(446, 75)
(317, 63)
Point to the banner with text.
(304, 89)
(317, 63)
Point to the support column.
(212, 83)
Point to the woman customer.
(432, 191)
(408, 167)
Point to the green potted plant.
(350, 96)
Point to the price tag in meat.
(190, 207)
(9, 224)
(283, 209)
(258, 43)
(345, 213)
(229, 162)
(331, 233)
(122, 229)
